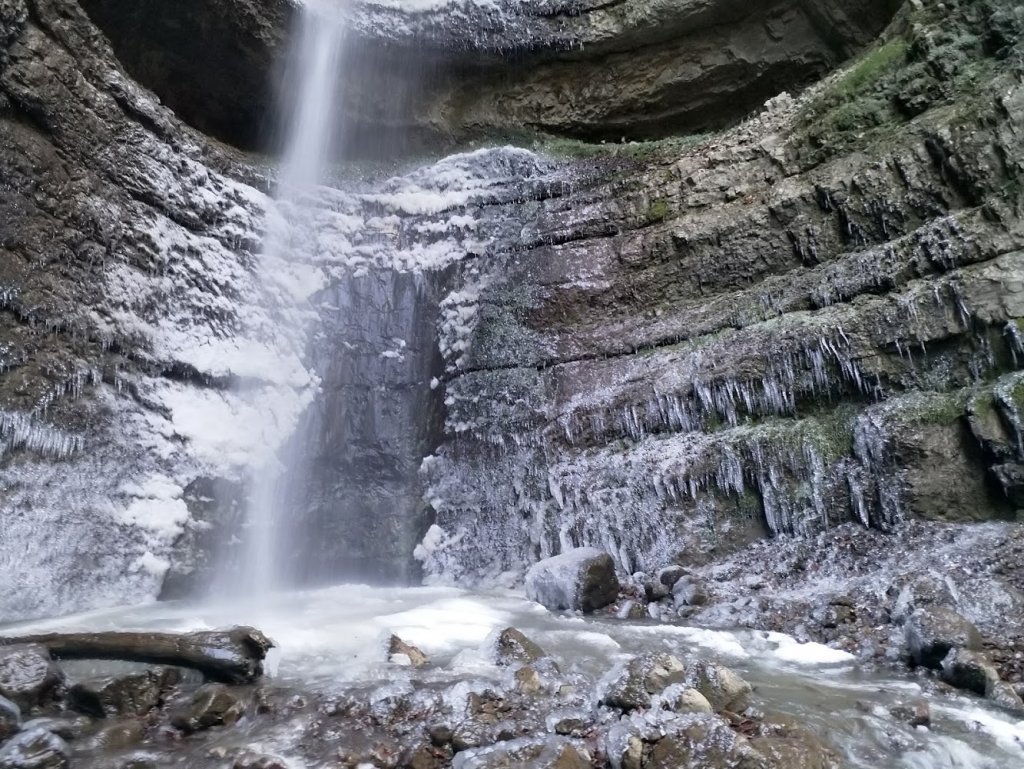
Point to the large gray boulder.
(28, 676)
(970, 670)
(579, 579)
(933, 632)
(134, 694)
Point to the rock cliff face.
(808, 320)
(668, 349)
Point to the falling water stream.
(310, 128)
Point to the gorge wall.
(668, 349)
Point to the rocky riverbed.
(436, 677)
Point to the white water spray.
(311, 100)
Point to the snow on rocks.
(581, 579)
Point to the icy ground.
(333, 639)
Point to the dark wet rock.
(570, 726)
(28, 676)
(10, 719)
(440, 735)
(581, 579)
(655, 589)
(138, 760)
(34, 749)
(916, 713)
(931, 633)
(211, 705)
(405, 653)
(514, 647)
(642, 677)
(123, 695)
(970, 670)
(725, 690)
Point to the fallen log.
(233, 656)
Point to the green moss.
(872, 67)
(657, 211)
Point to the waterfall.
(309, 108)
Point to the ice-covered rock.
(10, 719)
(513, 646)
(28, 676)
(579, 579)
(35, 749)
(722, 687)
(635, 684)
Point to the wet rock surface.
(28, 676)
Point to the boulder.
(35, 749)
(725, 690)
(10, 719)
(28, 676)
(513, 647)
(917, 713)
(933, 632)
(640, 679)
(134, 694)
(970, 670)
(579, 579)
(403, 653)
(211, 705)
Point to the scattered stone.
(670, 575)
(686, 592)
(581, 579)
(570, 726)
(471, 734)
(641, 678)
(514, 647)
(918, 713)
(1007, 698)
(971, 671)
(119, 735)
(537, 754)
(134, 694)
(684, 699)
(528, 681)
(440, 735)
(211, 705)
(10, 719)
(655, 590)
(139, 760)
(259, 761)
(725, 690)
(35, 749)
(68, 729)
(933, 632)
(403, 653)
(701, 740)
(423, 757)
(28, 677)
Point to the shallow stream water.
(335, 638)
